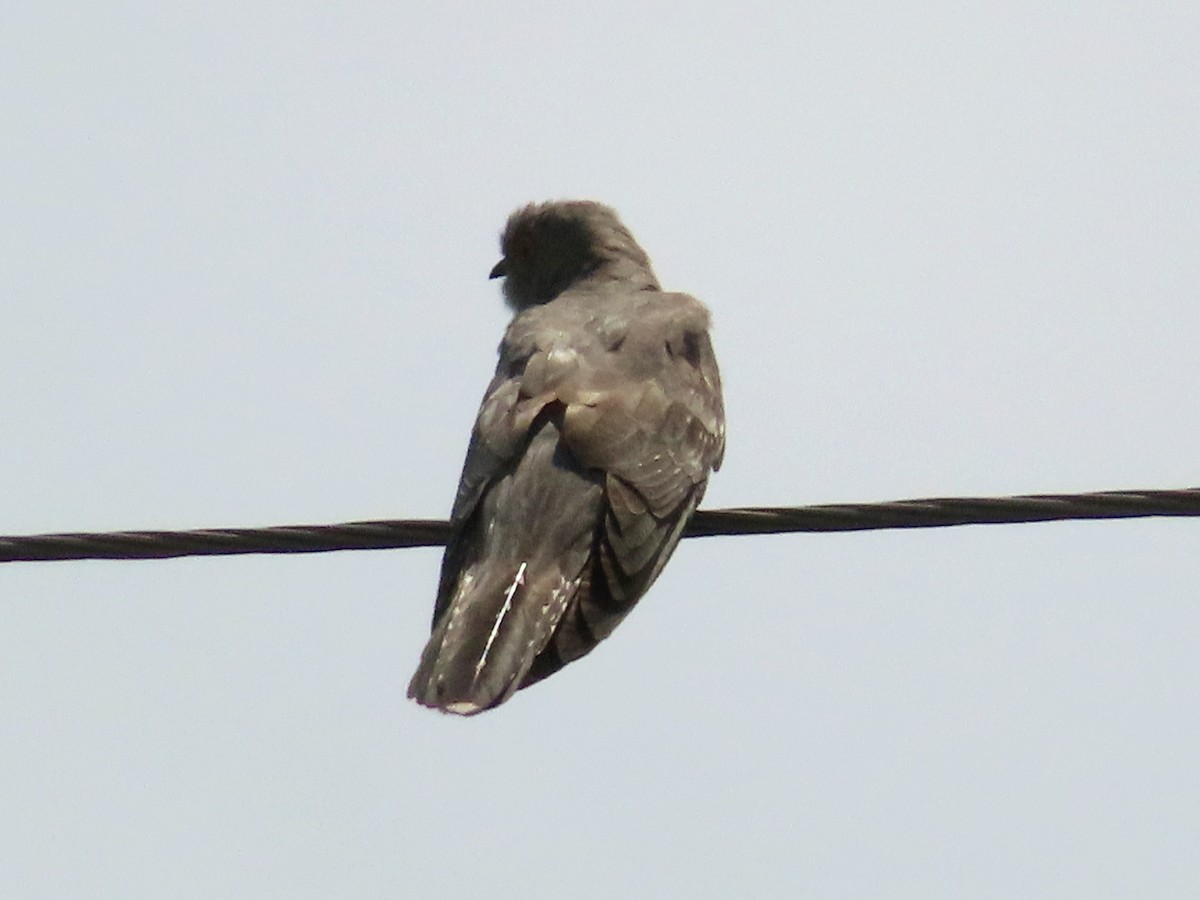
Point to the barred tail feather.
(481, 650)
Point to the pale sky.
(948, 250)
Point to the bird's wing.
(647, 413)
(518, 395)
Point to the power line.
(397, 533)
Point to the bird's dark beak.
(499, 270)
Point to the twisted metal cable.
(395, 533)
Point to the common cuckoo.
(591, 449)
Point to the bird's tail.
(484, 644)
(508, 575)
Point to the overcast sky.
(948, 250)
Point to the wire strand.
(392, 534)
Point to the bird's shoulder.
(621, 330)
(633, 374)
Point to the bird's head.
(550, 247)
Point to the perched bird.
(592, 448)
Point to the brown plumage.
(592, 448)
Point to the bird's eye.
(521, 246)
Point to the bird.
(591, 449)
